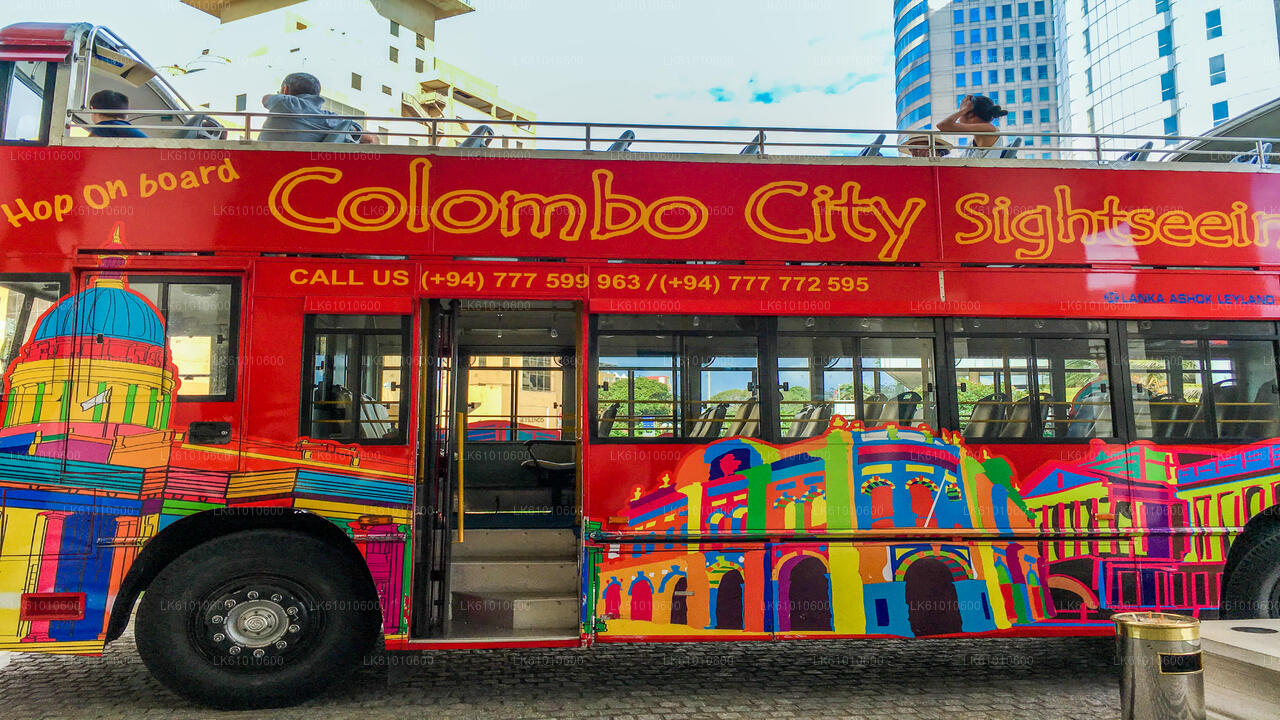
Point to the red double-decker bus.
(279, 399)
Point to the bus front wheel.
(256, 619)
(1253, 588)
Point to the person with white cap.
(918, 145)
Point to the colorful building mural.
(90, 469)
(847, 482)
(1133, 527)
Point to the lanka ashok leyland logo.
(1114, 298)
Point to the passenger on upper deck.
(300, 96)
(975, 116)
(120, 128)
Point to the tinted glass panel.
(21, 305)
(200, 327)
(355, 382)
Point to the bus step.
(517, 611)
(503, 574)
(516, 545)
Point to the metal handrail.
(429, 129)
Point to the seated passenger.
(918, 146)
(975, 116)
(119, 127)
(300, 95)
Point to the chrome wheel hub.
(258, 620)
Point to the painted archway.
(613, 600)
(729, 602)
(680, 603)
(932, 605)
(641, 600)
(805, 591)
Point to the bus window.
(514, 398)
(1189, 386)
(824, 370)
(1012, 382)
(22, 302)
(686, 377)
(201, 323)
(355, 382)
(636, 386)
(26, 101)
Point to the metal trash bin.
(1161, 675)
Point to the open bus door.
(498, 501)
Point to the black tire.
(1253, 588)
(188, 621)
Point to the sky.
(796, 63)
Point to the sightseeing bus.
(273, 403)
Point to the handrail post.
(435, 132)
(760, 134)
(462, 434)
(1097, 149)
(588, 136)
(1262, 155)
(248, 126)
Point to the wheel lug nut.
(219, 637)
(234, 649)
(280, 644)
(292, 611)
(276, 597)
(216, 619)
(294, 628)
(253, 595)
(259, 653)
(230, 602)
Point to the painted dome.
(107, 309)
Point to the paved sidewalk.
(891, 679)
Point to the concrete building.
(946, 49)
(1164, 67)
(374, 58)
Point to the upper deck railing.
(1242, 153)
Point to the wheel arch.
(1260, 526)
(185, 534)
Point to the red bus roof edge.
(45, 42)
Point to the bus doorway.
(503, 385)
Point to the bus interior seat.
(819, 419)
(479, 138)
(1093, 410)
(330, 412)
(1139, 155)
(1018, 423)
(907, 404)
(985, 420)
(1252, 157)
(799, 421)
(746, 421)
(756, 147)
(607, 418)
(875, 409)
(1230, 408)
(873, 150)
(709, 422)
(1011, 151)
(1264, 412)
(623, 143)
(1164, 409)
(375, 421)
